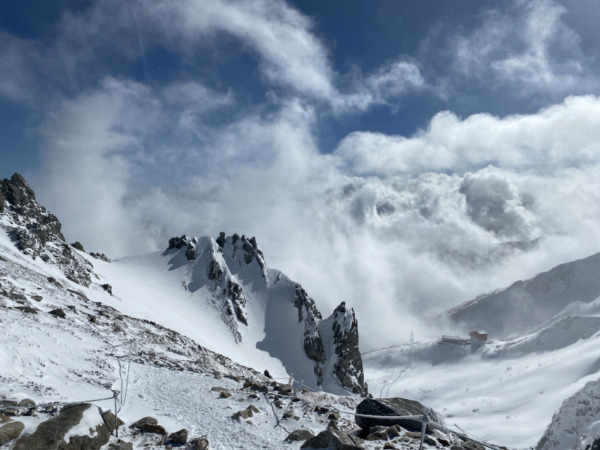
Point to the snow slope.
(508, 390)
(169, 289)
(527, 305)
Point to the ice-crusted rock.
(37, 232)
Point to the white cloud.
(563, 135)
(399, 227)
(529, 48)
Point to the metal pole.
(116, 417)
(424, 427)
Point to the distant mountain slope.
(528, 305)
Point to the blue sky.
(402, 155)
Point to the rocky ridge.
(37, 232)
(228, 260)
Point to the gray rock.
(178, 438)
(27, 309)
(349, 368)
(121, 445)
(392, 407)
(100, 256)
(333, 439)
(107, 287)
(149, 425)
(144, 421)
(299, 435)
(58, 313)
(50, 434)
(10, 431)
(198, 444)
(246, 413)
(78, 246)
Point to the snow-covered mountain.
(188, 332)
(543, 350)
(528, 305)
(218, 292)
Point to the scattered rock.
(392, 407)
(149, 425)
(299, 435)
(335, 440)
(378, 434)
(334, 416)
(10, 431)
(218, 389)
(267, 374)
(284, 389)
(120, 446)
(27, 309)
(37, 298)
(78, 246)
(332, 425)
(225, 394)
(144, 421)
(179, 437)
(232, 377)
(107, 287)
(246, 413)
(252, 384)
(58, 313)
(198, 444)
(100, 256)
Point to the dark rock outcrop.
(58, 313)
(78, 246)
(392, 407)
(348, 367)
(334, 439)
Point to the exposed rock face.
(37, 233)
(393, 407)
(348, 367)
(313, 343)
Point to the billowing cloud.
(399, 226)
(528, 48)
(566, 134)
